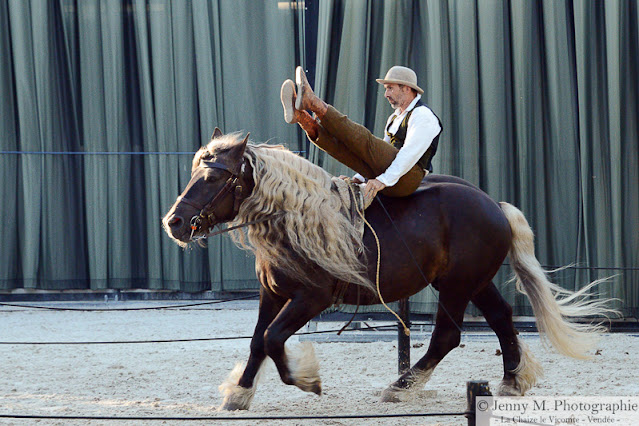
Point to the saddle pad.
(352, 199)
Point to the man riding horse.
(285, 210)
(394, 165)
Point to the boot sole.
(287, 92)
(299, 79)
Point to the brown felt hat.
(401, 75)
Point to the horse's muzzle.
(175, 227)
(175, 222)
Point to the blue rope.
(92, 153)
(103, 153)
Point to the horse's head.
(220, 181)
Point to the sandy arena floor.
(181, 379)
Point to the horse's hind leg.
(238, 392)
(520, 368)
(446, 336)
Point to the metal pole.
(473, 390)
(403, 341)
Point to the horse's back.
(451, 222)
(432, 179)
(451, 193)
(468, 211)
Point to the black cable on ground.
(203, 339)
(229, 418)
(52, 308)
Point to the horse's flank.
(312, 226)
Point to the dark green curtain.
(539, 102)
(122, 76)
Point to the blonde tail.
(554, 307)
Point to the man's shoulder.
(421, 105)
(423, 112)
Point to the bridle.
(206, 219)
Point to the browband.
(216, 165)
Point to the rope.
(379, 261)
(379, 294)
(410, 252)
(93, 153)
(105, 152)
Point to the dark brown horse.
(306, 250)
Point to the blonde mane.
(312, 226)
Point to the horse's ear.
(244, 142)
(217, 133)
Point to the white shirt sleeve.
(423, 127)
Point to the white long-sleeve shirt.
(423, 127)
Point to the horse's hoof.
(508, 390)
(317, 388)
(235, 402)
(314, 387)
(231, 406)
(390, 395)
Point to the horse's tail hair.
(555, 308)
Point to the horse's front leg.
(239, 388)
(300, 369)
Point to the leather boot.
(306, 98)
(292, 115)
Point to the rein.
(206, 216)
(232, 228)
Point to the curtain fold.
(10, 266)
(258, 53)
(539, 103)
(128, 76)
(45, 184)
(539, 107)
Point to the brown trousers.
(357, 148)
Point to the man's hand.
(373, 186)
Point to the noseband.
(206, 219)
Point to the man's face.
(396, 94)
